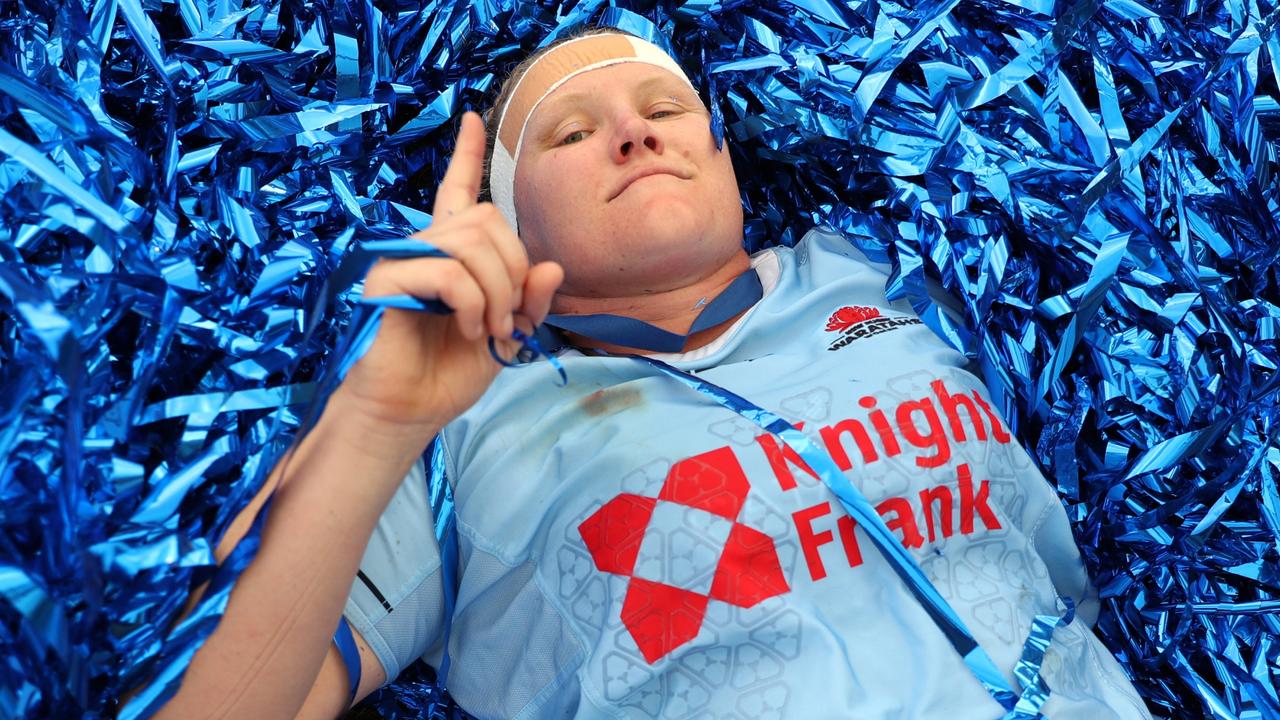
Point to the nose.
(635, 132)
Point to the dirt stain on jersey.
(610, 401)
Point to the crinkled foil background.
(1096, 179)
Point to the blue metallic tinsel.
(1096, 179)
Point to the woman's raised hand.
(425, 369)
(272, 652)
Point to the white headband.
(547, 73)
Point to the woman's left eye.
(659, 114)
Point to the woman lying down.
(764, 491)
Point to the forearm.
(266, 651)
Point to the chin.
(667, 251)
(663, 216)
(664, 237)
(652, 241)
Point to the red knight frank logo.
(690, 547)
(855, 322)
(707, 490)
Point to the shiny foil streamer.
(1096, 180)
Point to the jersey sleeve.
(397, 599)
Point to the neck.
(674, 309)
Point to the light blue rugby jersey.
(630, 549)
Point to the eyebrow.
(564, 102)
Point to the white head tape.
(547, 73)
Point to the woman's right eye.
(573, 137)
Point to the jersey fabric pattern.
(630, 549)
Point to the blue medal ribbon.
(446, 530)
(741, 294)
(359, 336)
(365, 324)
(858, 507)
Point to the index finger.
(460, 187)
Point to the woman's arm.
(267, 652)
(421, 371)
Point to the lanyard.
(1035, 693)
(741, 294)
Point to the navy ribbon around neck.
(741, 294)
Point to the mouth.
(640, 174)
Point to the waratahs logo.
(850, 315)
(855, 322)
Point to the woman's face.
(620, 181)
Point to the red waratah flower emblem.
(849, 316)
